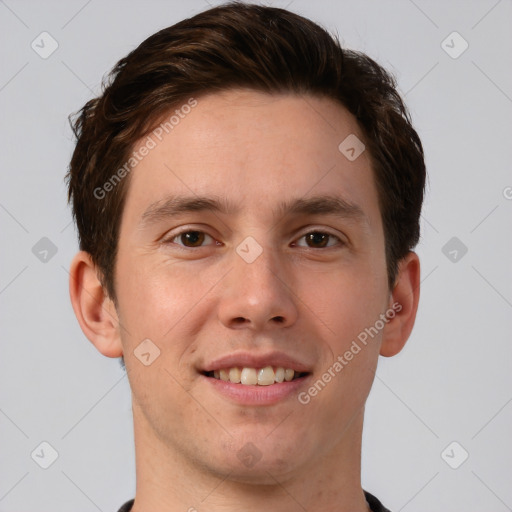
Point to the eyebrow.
(318, 205)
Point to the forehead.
(254, 149)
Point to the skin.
(203, 302)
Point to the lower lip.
(257, 395)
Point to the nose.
(258, 295)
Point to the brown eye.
(319, 240)
(191, 238)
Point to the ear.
(405, 297)
(94, 310)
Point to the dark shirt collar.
(375, 504)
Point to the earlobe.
(94, 310)
(404, 301)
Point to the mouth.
(256, 379)
(249, 376)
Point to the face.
(249, 240)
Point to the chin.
(263, 472)
(261, 458)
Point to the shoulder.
(127, 506)
(375, 504)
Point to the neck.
(169, 480)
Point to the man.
(247, 195)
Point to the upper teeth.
(252, 376)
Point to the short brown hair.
(240, 45)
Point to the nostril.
(279, 319)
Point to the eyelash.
(175, 236)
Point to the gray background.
(452, 382)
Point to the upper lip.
(252, 360)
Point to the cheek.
(350, 308)
(162, 303)
(345, 302)
(156, 298)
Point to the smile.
(250, 378)
(256, 376)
